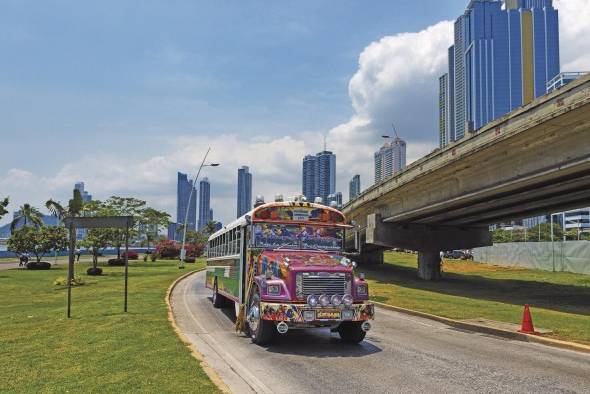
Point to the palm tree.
(74, 207)
(209, 227)
(29, 214)
(3, 205)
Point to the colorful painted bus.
(283, 267)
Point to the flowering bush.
(132, 255)
(167, 249)
(194, 250)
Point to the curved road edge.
(215, 378)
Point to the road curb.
(489, 330)
(215, 378)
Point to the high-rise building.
(86, 197)
(183, 193)
(310, 186)
(504, 54)
(354, 187)
(204, 203)
(390, 159)
(319, 176)
(244, 191)
(443, 110)
(173, 233)
(335, 198)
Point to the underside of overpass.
(532, 161)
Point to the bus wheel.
(218, 299)
(261, 331)
(351, 331)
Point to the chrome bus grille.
(322, 283)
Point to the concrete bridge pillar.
(370, 257)
(429, 264)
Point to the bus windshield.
(298, 236)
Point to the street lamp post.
(183, 250)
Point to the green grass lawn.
(559, 301)
(101, 349)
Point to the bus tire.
(261, 331)
(351, 331)
(218, 299)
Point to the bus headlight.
(324, 300)
(273, 289)
(336, 300)
(361, 290)
(312, 300)
(347, 300)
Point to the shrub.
(154, 256)
(194, 250)
(145, 257)
(132, 255)
(167, 249)
(94, 271)
(63, 281)
(41, 265)
(116, 262)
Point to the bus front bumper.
(303, 313)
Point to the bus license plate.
(327, 315)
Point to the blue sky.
(121, 94)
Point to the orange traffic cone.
(527, 321)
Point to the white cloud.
(574, 30)
(396, 81)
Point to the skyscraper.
(319, 176)
(390, 159)
(309, 177)
(204, 203)
(502, 58)
(86, 197)
(354, 187)
(335, 198)
(443, 110)
(244, 191)
(183, 192)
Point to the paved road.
(7, 266)
(402, 354)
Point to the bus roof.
(293, 204)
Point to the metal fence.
(568, 256)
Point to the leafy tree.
(38, 241)
(123, 206)
(151, 221)
(545, 230)
(28, 214)
(196, 237)
(572, 235)
(97, 240)
(209, 228)
(3, 205)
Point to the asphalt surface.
(401, 354)
(8, 266)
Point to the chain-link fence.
(568, 256)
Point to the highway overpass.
(532, 161)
